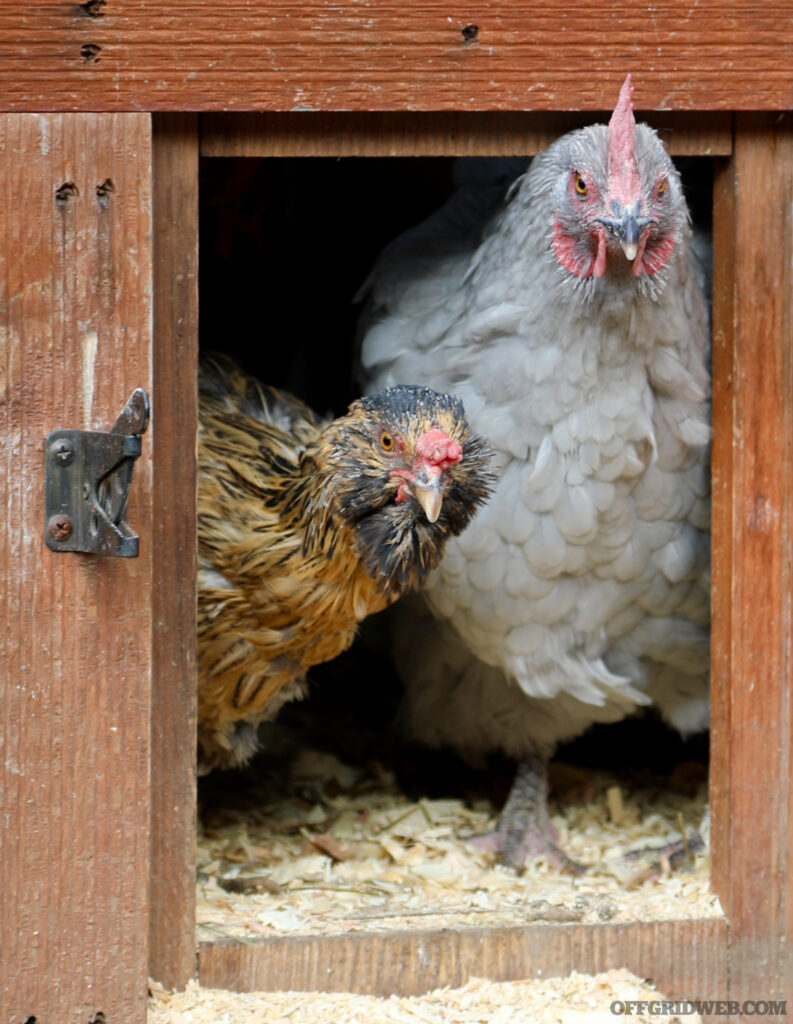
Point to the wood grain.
(438, 134)
(753, 554)
(75, 322)
(686, 959)
(173, 734)
(722, 530)
(393, 55)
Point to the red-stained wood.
(722, 520)
(685, 959)
(447, 133)
(172, 954)
(392, 55)
(84, 634)
(75, 323)
(753, 554)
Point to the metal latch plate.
(87, 479)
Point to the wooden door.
(75, 340)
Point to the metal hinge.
(87, 480)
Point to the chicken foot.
(666, 858)
(524, 828)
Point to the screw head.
(62, 451)
(60, 527)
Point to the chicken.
(567, 314)
(307, 527)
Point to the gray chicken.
(568, 316)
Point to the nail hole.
(65, 192)
(31, 1020)
(92, 8)
(469, 33)
(99, 1018)
(104, 191)
(90, 52)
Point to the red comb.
(623, 169)
(436, 448)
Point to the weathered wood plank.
(437, 134)
(686, 959)
(172, 956)
(392, 55)
(753, 553)
(75, 322)
(722, 530)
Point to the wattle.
(653, 256)
(586, 256)
(582, 257)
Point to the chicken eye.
(580, 185)
(661, 187)
(387, 441)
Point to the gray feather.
(580, 592)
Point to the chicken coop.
(125, 128)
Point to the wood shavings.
(615, 805)
(327, 844)
(542, 910)
(363, 856)
(576, 999)
(251, 883)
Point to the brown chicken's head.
(407, 475)
(618, 202)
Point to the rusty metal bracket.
(86, 487)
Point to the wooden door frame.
(415, 64)
(751, 793)
(174, 694)
(752, 798)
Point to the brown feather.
(301, 537)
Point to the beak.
(428, 493)
(628, 235)
(627, 229)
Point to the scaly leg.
(524, 828)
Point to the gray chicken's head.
(618, 205)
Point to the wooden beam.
(686, 959)
(75, 322)
(753, 554)
(392, 55)
(173, 731)
(438, 134)
(722, 530)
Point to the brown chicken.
(305, 528)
